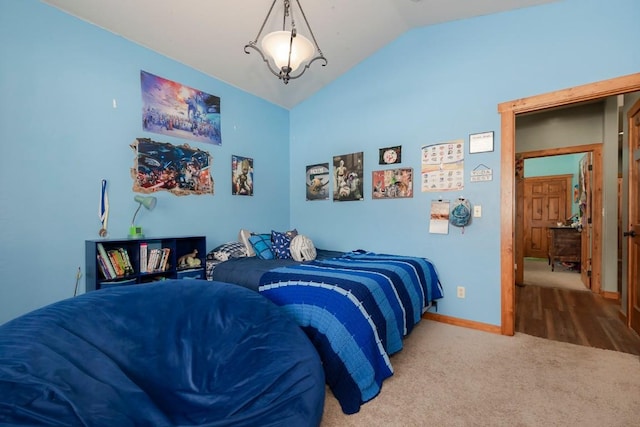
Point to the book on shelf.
(143, 257)
(128, 267)
(104, 257)
(116, 261)
(164, 261)
(154, 257)
(158, 259)
(103, 268)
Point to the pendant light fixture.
(286, 52)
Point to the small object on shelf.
(189, 260)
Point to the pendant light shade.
(286, 51)
(276, 46)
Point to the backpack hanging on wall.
(460, 215)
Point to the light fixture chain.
(309, 27)
(265, 21)
(287, 5)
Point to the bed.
(356, 308)
(177, 352)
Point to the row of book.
(151, 260)
(114, 263)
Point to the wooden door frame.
(596, 206)
(508, 111)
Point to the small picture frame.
(241, 176)
(481, 142)
(390, 155)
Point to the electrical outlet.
(477, 211)
(461, 292)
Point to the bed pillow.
(291, 233)
(302, 248)
(243, 236)
(280, 242)
(227, 251)
(261, 244)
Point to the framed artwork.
(480, 142)
(390, 155)
(317, 182)
(169, 108)
(347, 177)
(392, 183)
(181, 170)
(241, 176)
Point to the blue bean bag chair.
(178, 352)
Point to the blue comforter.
(356, 309)
(179, 352)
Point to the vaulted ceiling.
(210, 35)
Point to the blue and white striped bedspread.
(356, 309)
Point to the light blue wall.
(60, 136)
(442, 83)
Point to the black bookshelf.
(175, 247)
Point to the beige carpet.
(538, 272)
(452, 376)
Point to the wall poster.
(169, 108)
(181, 170)
(317, 181)
(392, 183)
(241, 176)
(443, 166)
(347, 177)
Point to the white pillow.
(243, 236)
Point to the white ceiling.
(210, 35)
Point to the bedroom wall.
(442, 83)
(61, 136)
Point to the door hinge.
(590, 167)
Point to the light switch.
(477, 211)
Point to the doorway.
(562, 208)
(508, 112)
(554, 218)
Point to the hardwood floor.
(577, 317)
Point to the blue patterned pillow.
(261, 244)
(227, 251)
(280, 243)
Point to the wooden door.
(633, 258)
(546, 203)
